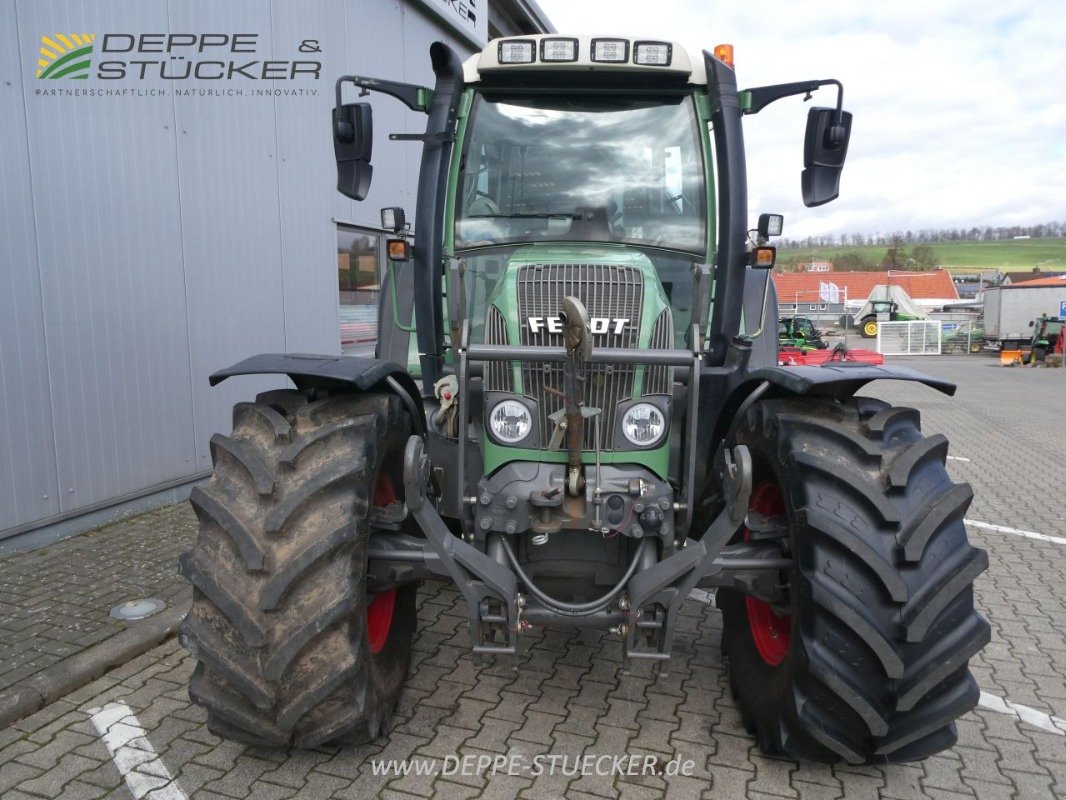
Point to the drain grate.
(138, 609)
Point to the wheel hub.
(380, 607)
(770, 631)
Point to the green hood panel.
(505, 299)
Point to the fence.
(918, 338)
(960, 337)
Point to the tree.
(896, 255)
(924, 256)
(853, 262)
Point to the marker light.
(510, 422)
(764, 257)
(724, 53)
(558, 49)
(652, 54)
(610, 51)
(643, 424)
(516, 51)
(398, 249)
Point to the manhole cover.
(138, 609)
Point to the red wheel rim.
(379, 610)
(770, 631)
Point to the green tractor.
(1046, 332)
(800, 332)
(575, 415)
(882, 311)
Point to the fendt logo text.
(65, 55)
(599, 325)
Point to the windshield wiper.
(523, 215)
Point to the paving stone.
(14, 774)
(816, 791)
(238, 780)
(538, 727)
(48, 755)
(773, 776)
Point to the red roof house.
(927, 288)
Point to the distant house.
(1049, 279)
(800, 292)
(816, 266)
(1010, 278)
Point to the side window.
(360, 261)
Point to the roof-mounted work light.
(558, 49)
(516, 51)
(652, 54)
(610, 51)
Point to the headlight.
(643, 424)
(510, 421)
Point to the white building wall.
(147, 241)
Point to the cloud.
(959, 117)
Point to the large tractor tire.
(868, 327)
(867, 662)
(291, 649)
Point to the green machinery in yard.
(799, 332)
(883, 311)
(575, 415)
(1046, 332)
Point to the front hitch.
(577, 338)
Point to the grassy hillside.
(1011, 255)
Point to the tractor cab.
(884, 307)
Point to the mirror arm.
(416, 98)
(762, 96)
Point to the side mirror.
(824, 148)
(353, 140)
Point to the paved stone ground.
(568, 696)
(56, 601)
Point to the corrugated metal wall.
(148, 241)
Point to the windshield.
(617, 169)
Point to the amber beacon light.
(724, 53)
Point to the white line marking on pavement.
(958, 458)
(1042, 537)
(1038, 719)
(137, 761)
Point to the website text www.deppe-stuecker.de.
(541, 764)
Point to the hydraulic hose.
(574, 609)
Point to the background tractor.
(800, 332)
(1045, 332)
(882, 311)
(575, 415)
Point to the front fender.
(842, 379)
(833, 379)
(335, 372)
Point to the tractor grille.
(660, 379)
(499, 375)
(611, 292)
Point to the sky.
(959, 106)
